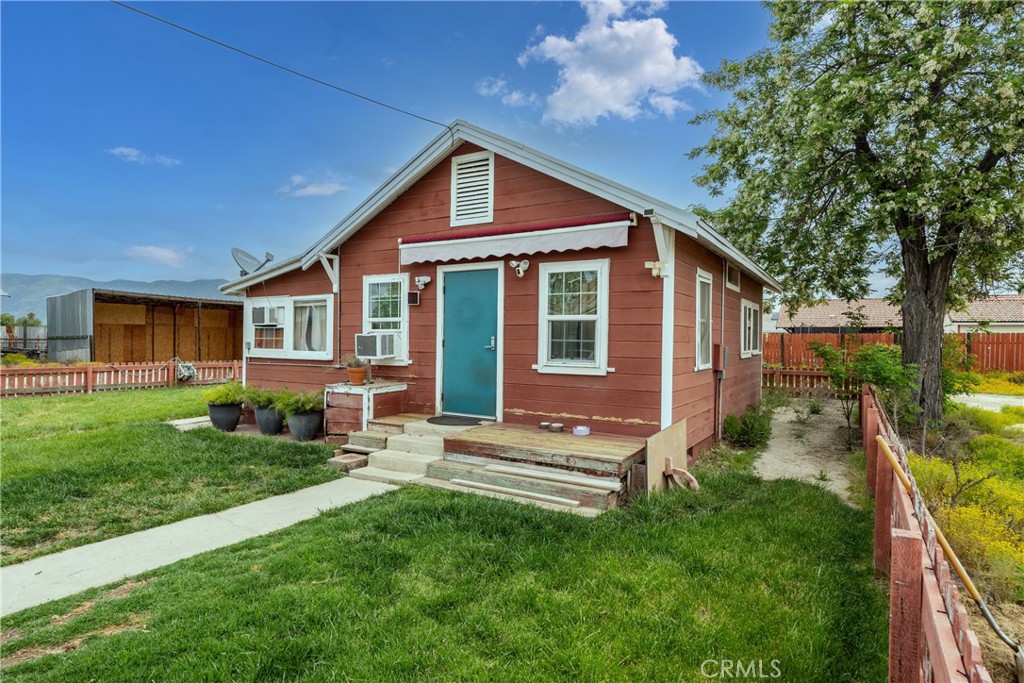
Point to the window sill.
(571, 370)
(700, 368)
(749, 354)
(391, 362)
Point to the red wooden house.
(510, 285)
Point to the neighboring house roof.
(459, 132)
(832, 313)
(998, 308)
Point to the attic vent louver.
(472, 188)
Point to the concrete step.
(352, 448)
(369, 438)
(424, 428)
(446, 485)
(401, 461)
(394, 424)
(427, 445)
(506, 482)
(385, 476)
(346, 462)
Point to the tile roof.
(999, 308)
(832, 313)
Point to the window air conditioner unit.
(376, 345)
(264, 316)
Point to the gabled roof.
(460, 132)
(998, 308)
(832, 313)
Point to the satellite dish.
(247, 262)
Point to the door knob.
(491, 346)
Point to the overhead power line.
(286, 69)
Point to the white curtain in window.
(310, 327)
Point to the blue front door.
(469, 383)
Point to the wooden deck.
(600, 454)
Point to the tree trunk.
(924, 309)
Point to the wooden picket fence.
(77, 379)
(930, 638)
(995, 351)
(794, 350)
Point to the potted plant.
(269, 417)
(305, 411)
(225, 405)
(356, 368)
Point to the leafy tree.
(29, 320)
(6, 319)
(875, 134)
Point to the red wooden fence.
(995, 351)
(794, 350)
(15, 381)
(930, 638)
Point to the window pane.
(269, 338)
(704, 323)
(310, 327)
(572, 340)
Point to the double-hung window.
(386, 310)
(703, 314)
(573, 335)
(750, 329)
(290, 327)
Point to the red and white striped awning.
(462, 244)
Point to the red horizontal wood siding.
(694, 393)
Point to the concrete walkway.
(65, 573)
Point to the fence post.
(89, 380)
(172, 371)
(871, 446)
(883, 513)
(906, 584)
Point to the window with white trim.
(732, 276)
(386, 309)
(290, 327)
(750, 329)
(703, 320)
(573, 334)
(472, 188)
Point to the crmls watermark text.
(725, 669)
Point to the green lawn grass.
(80, 469)
(430, 585)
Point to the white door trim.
(499, 267)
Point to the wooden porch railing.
(16, 381)
(930, 639)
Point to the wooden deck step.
(369, 439)
(597, 454)
(395, 424)
(446, 485)
(460, 473)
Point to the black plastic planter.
(305, 426)
(269, 420)
(225, 418)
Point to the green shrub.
(227, 394)
(752, 430)
(1000, 454)
(1015, 378)
(293, 403)
(815, 406)
(258, 397)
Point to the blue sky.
(133, 150)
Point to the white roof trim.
(460, 131)
(614, 234)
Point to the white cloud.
(137, 156)
(162, 255)
(621, 63)
(300, 186)
(498, 87)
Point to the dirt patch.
(136, 623)
(995, 653)
(121, 591)
(7, 635)
(808, 448)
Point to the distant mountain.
(28, 292)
